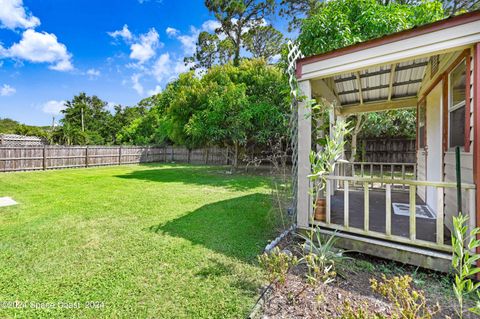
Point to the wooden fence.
(386, 150)
(56, 157)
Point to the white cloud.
(41, 47)
(211, 25)
(155, 91)
(13, 15)
(144, 50)
(189, 41)
(53, 107)
(165, 68)
(125, 33)
(136, 85)
(162, 69)
(7, 90)
(276, 58)
(111, 106)
(93, 73)
(181, 67)
(172, 32)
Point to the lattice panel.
(293, 54)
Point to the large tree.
(244, 108)
(264, 42)
(88, 115)
(236, 18)
(211, 49)
(297, 10)
(344, 22)
(453, 7)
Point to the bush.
(277, 263)
(407, 302)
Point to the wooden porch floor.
(426, 228)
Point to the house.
(434, 68)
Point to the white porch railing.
(400, 171)
(412, 185)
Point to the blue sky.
(120, 50)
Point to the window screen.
(421, 137)
(457, 127)
(421, 125)
(458, 84)
(456, 107)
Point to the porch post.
(304, 205)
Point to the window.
(456, 107)
(421, 125)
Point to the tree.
(238, 16)
(339, 23)
(88, 114)
(246, 108)
(211, 50)
(297, 10)
(222, 122)
(264, 42)
(8, 125)
(125, 116)
(453, 7)
(393, 123)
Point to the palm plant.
(320, 256)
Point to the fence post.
(206, 156)
(86, 156)
(189, 153)
(120, 155)
(173, 156)
(44, 163)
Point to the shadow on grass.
(237, 227)
(198, 175)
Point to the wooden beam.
(359, 84)
(392, 79)
(378, 106)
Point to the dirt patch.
(297, 299)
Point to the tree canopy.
(242, 25)
(345, 22)
(242, 107)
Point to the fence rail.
(412, 185)
(30, 158)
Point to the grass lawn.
(142, 241)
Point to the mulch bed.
(297, 299)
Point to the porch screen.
(421, 124)
(456, 107)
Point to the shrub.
(407, 302)
(320, 256)
(277, 263)
(361, 312)
(464, 262)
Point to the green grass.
(147, 241)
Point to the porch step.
(421, 257)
